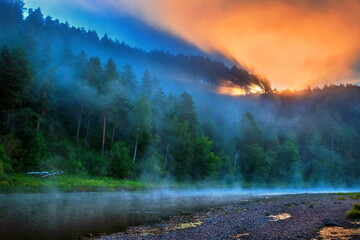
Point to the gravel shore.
(303, 216)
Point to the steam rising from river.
(73, 215)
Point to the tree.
(10, 88)
(288, 164)
(5, 162)
(80, 66)
(146, 87)
(205, 163)
(110, 74)
(94, 73)
(15, 76)
(11, 19)
(128, 79)
(250, 131)
(253, 164)
(121, 162)
(119, 110)
(181, 149)
(34, 20)
(142, 125)
(187, 112)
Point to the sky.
(124, 27)
(293, 43)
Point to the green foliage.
(94, 73)
(13, 148)
(10, 84)
(146, 87)
(151, 168)
(52, 115)
(5, 162)
(67, 158)
(205, 163)
(253, 165)
(187, 112)
(110, 74)
(354, 213)
(250, 131)
(128, 79)
(37, 153)
(288, 164)
(354, 196)
(142, 122)
(121, 162)
(67, 183)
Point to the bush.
(356, 206)
(66, 150)
(150, 166)
(51, 163)
(354, 213)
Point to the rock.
(160, 225)
(89, 235)
(210, 220)
(331, 222)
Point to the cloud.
(293, 43)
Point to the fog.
(95, 86)
(73, 215)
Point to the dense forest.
(67, 103)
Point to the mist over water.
(73, 215)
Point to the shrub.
(354, 213)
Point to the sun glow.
(229, 88)
(292, 43)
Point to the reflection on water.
(73, 215)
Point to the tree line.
(62, 109)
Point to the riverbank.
(303, 216)
(22, 183)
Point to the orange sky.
(294, 43)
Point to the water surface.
(73, 215)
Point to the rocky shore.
(303, 216)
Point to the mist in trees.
(69, 102)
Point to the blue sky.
(125, 28)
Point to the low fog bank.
(70, 102)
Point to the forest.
(74, 102)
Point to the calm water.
(73, 215)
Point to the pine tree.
(187, 112)
(146, 87)
(94, 73)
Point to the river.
(72, 215)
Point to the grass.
(352, 195)
(188, 225)
(354, 213)
(67, 183)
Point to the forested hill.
(41, 34)
(82, 113)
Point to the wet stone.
(331, 222)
